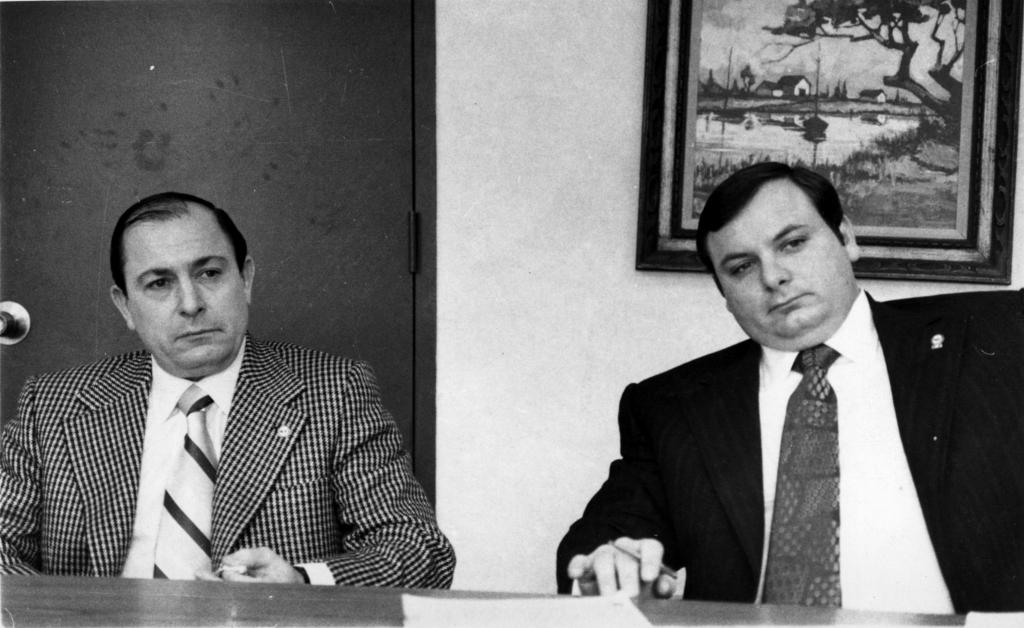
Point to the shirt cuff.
(318, 573)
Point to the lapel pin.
(937, 341)
(284, 431)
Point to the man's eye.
(210, 273)
(739, 269)
(157, 284)
(795, 243)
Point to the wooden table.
(66, 601)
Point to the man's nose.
(190, 299)
(774, 274)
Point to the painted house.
(768, 88)
(789, 86)
(874, 95)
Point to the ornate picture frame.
(909, 107)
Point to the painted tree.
(748, 77)
(887, 23)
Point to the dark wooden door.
(294, 116)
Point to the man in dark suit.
(291, 469)
(927, 512)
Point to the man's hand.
(260, 564)
(608, 570)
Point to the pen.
(665, 571)
(236, 569)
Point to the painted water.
(781, 137)
(878, 191)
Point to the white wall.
(542, 319)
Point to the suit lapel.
(727, 428)
(922, 356)
(104, 438)
(263, 427)
(726, 421)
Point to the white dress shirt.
(886, 559)
(162, 444)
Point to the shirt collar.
(167, 388)
(855, 340)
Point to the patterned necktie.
(803, 551)
(183, 540)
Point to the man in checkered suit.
(313, 483)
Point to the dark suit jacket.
(690, 472)
(312, 466)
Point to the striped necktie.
(803, 550)
(183, 540)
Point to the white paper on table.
(613, 611)
(994, 620)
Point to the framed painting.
(909, 107)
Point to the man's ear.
(120, 300)
(248, 273)
(849, 239)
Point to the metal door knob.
(14, 323)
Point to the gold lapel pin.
(937, 341)
(284, 431)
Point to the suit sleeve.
(19, 492)
(631, 501)
(394, 538)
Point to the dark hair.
(734, 194)
(165, 206)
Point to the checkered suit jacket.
(335, 487)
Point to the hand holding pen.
(629, 565)
(253, 564)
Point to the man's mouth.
(784, 307)
(188, 335)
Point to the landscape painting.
(908, 107)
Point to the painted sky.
(739, 24)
